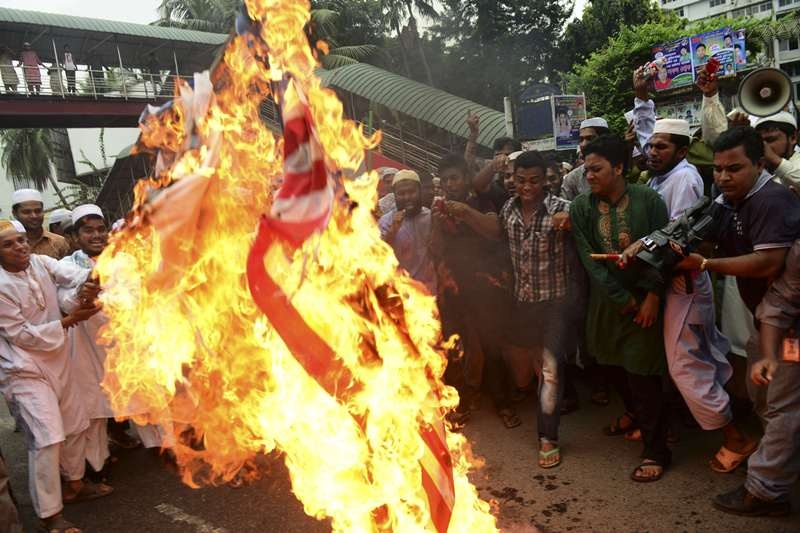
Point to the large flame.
(188, 347)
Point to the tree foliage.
(27, 156)
(600, 20)
(605, 76)
(492, 49)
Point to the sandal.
(544, 456)
(637, 474)
(509, 418)
(90, 491)
(616, 428)
(57, 524)
(600, 397)
(726, 460)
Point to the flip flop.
(548, 454)
(509, 418)
(616, 428)
(728, 460)
(90, 491)
(636, 474)
(57, 524)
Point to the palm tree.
(219, 16)
(399, 11)
(27, 155)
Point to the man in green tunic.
(624, 327)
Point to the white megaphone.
(764, 92)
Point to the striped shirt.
(540, 254)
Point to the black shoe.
(741, 502)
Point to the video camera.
(665, 248)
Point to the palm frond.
(331, 61)
(26, 155)
(360, 52)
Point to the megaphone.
(764, 92)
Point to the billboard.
(568, 113)
(680, 60)
(675, 68)
(717, 44)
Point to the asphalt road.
(589, 492)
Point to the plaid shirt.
(540, 254)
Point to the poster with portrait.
(568, 113)
(740, 51)
(718, 44)
(674, 65)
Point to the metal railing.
(409, 149)
(93, 83)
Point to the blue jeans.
(542, 330)
(775, 466)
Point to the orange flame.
(187, 344)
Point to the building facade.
(784, 51)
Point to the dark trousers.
(70, 80)
(643, 397)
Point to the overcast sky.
(141, 11)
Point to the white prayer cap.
(513, 155)
(59, 215)
(566, 166)
(675, 126)
(784, 117)
(85, 210)
(26, 195)
(405, 175)
(383, 172)
(596, 122)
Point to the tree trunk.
(413, 26)
(60, 195)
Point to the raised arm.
(713, 120)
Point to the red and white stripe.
(301, 207)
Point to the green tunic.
(599, 227)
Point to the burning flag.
(302, 337)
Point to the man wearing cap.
(575, 182)
(385, 194)
(36, 373)
(779, 133)
(91, 232)
(27, 207)
(407, 229)
(696, 350)
(55, 222)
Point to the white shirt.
(69, 63)
(680, 188)
(33, 344)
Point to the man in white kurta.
(35, 372)
(696, 350)
(90, 232)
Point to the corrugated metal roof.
(40, 18)
(416, 100)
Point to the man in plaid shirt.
(535, 224)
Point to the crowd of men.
(51, 364)
(522, 252)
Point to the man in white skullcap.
(36, 373)
(696, 350)
(575, 182)
(407, 229)
(28, 208)
(55, 221)
(90, 231)
(385, 194)
(779, 133)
